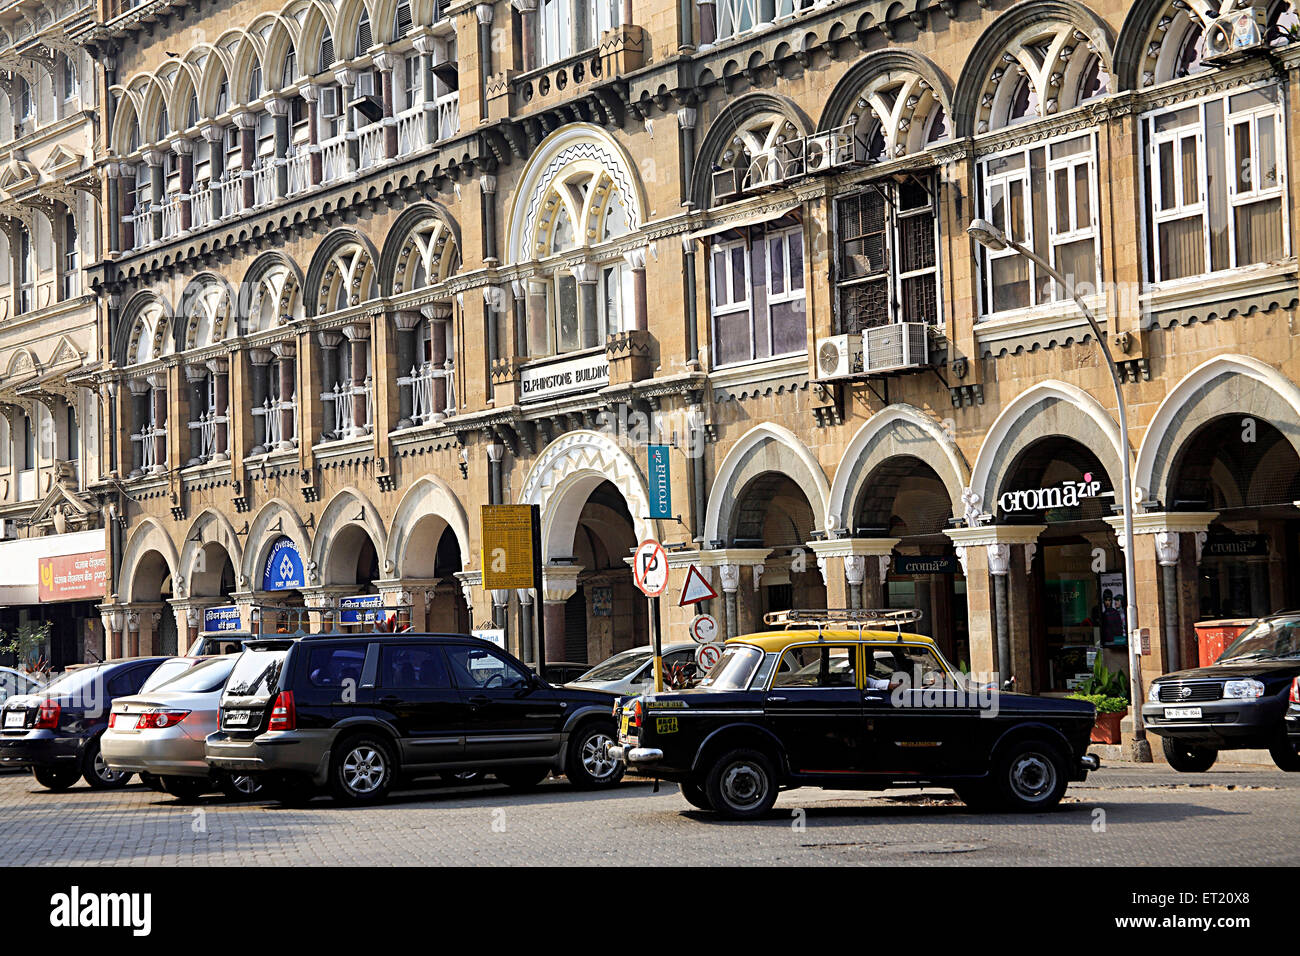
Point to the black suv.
(1240, 702)
(357, 713)
(56, 731)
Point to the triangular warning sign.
(696, 588)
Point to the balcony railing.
(334, 160)
(344, 396)
(142, 224)
(371, 143)
(264, 181)
(207, 424)
(427, 383)
(201, 204)
(299, 161)
(171, 215)
(148, 439)
(231, 189)
(272, 413)
(448, 116)
(410, 131)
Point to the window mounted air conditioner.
(726, 184)
(839, 356)
(1236, 35)
(899, 345)
(829, 151)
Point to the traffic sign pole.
(659, 645)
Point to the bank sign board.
(72, 577)
(283, 570)
(1067, 494)
(581, 374)
(361, 609)
(661, 490)
(222, 618)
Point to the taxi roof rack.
(843, 617)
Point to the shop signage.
(925, 564)
(1236, 545)
(510, 546)
(222, 618)
(493, 634)
(581, 374)
(72, 577)
(661, 492)
(283, 570)
(361, 609)
(1068, 494)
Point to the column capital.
(999, 553)
(218, 366)
(525, 6)
(687, 116)
(635, 258)
(284, 350)
(844, 547)
(995, 534)
(485, 13)
(407, 319)
(154, 157)
(329, 339)
(488, 183)
(277, 106)
(1152, 522)
(260, 356)
(195, 372)
(212, 132)
(244, 119)
(560, 582)
(182, 146)
(384, 61)
(357, 331)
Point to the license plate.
(1182, 713)
(15, 718)
(238, 718)
(627, 719)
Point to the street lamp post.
(995, 240)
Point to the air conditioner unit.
(726, 184)
(790, 158)
(829, 151)
(1236, 35)
(899, 345)
(839, 356)
(764, 172)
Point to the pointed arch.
(342, 273)
(207, 308)
(422, 249)
(147, 537)
(341, 512)
(271, 293)
(756, 122)
(145, 331)
(901, 92)
(764, 448)
(427, 497)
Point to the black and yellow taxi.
(849, 700)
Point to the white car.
(631, 672)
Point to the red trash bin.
(1213, 636)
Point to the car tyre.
(96, 771)
(741, 784)
(185, 789)
(1286, 755)
(153, 782)
(290, 791)
(589, 765)
(241, 786)
(1186, 758)
(696, 797)
(1029, 776)
(57, 779)
(523, 778)
(361, 770)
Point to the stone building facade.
(50, 513)
(372, 265)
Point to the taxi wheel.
(96, 772)
(1029, 776)
(741, 784)
(696, 796)
(1188, 759)
(56, 778)
(588, 765)
(1286, 755)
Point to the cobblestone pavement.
(1124, 814)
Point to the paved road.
(1148, 815)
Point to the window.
(413, 667)
(6, 442)
(255, 82)
(26, 272)
(223, 96)
(402, 19)
(69, 76)
(25, 120)
(757, 295)
(887, 268)
(29, 445)
(71, 261)
(325, 59)
(412, 82)
(332, 666)
(364, 41)
(290, 71)
(817, 665)
(1215, 185)
(477, 668)
(1045, 197)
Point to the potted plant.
(1107, 691)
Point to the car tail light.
(284, 716)
(636, 714)
(112, 720)
(1295, 690)
(47, 718)
(160, 719)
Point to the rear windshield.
(202, 678)
(165, 672)
(256, 674)
(74, 682)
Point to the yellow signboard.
(507, 546)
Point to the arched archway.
(349, 541)
(764, 448)
(427, 545)
(146, 582)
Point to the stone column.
(528, 28)
(635, 260)
(215, 136)
(1167, 557)
(285, 355)
(729, 579)
(311, 93)
(385, 63)
(113, 172)
(184, 150)
(358, 334)
(347, 80)
(158, 382)
(439, 315)
(157, 188)
(133, 623)
(407, 322)
(329, 370)
(999, 556)
(220, 369)
(527, 630)
(247, 125)
(278, 107)
(708, 24)
(260, 360)
(588, 304)
(559, 583)
(488, 187)
(855, 571)
(196, 376)
(484, 12)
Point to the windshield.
(202, 678)
(73, 682)
(1277, 638)
(619, 667)
(256, 674)
(165, 672)
(734, 669)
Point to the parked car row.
(288, 717)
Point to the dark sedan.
(1240, 702)
(56, 731)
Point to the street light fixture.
(995, 240)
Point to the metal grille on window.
(864, 262)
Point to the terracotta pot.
(1106, 729)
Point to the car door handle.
(390, 699)
(480, 701)
(779, 700)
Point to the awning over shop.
(757, 219)
(20, 562)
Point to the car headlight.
(1243, 689)
(1153, 694)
